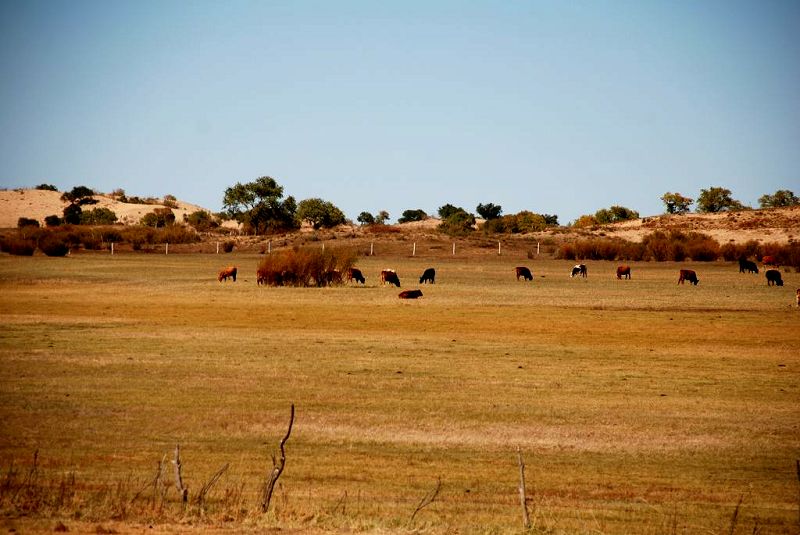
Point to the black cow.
(579, 269)
(746, 266)
(428, 276)
(410, 294)
(688, 275)
(354, 274)
(523, 272)
(774, 277)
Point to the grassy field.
(639, 406)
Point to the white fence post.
(166, 248)
(269, 246)
(372, 248)
(454, 248)
(112, 248)
(414, 250)
(217, 247)
(498, 248)
(537, 248)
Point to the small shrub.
(27, 222)
(228, 246)
(54, 245)
(53, 221)
(18, 246)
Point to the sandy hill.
(38, 204)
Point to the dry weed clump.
(304, 267)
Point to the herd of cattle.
(389, 276)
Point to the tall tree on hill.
(77, 197)
(615, 214)
(320, 213)
(782, 197)
(259, 206)
(489, 211)
(676, 203)
(717, 199)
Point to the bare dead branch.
(526, 521)
(277, 468)
(201, 496)
(182, 490)
(427, 499)
(735, 518)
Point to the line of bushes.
(58, 241)
(676, 246)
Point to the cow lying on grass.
(410, 294)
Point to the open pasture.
(639, 406)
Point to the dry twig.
(427, 499)
(277, 469)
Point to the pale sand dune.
(38, 204)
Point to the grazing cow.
(688, 275)
(624, 271)
(428, 276)
(774, 277)
(747, 266)
(579, 269)
(332, 276)
(354, 274)
(770, 260)
(390, 276)
(524, 272)
(410, 294)
(224, 273)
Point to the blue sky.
(556, 107)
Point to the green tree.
(259, 206)
(615, 214)
(676, 203)
(448, 209)
(716, 199)
(46, 187)
(585, 221)
(489, 211)
(320, 213)
(412, 215)
(160, 217)
(459, 222)
(77, 197)
(98, 216)
(382, 217)
(551, 220)
(201, 221)
(782, 197)
(365, 218)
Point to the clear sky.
(558, 107)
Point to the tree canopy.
(716, 199)
(259, 206)
(676, 203)
(412, 215)
(615, 214)
(489, 211)
(319, 213)
(782, 197)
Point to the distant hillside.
(38, 204)
(779, 225)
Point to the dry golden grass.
(640, 406)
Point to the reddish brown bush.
(309, 266)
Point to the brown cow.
(354, 274)
(624, 271)
(524, 272)
(410, 294)
(688, 275)
(390, 276)
(770, 260)
(224, 273)
(774, 277)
